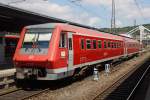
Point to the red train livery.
(8, 45)
(54, 50)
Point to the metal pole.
(96, 74)
(141, 28)
(107, 69)
(113, 17)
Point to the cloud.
(126, 9)
(56, 10)
(146, 12)
(94, 21)
(119, 23)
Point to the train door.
(125, 49)
(1, 50)
(70, 51)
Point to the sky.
(94, 13)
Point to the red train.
(8, 45)
(54, 50)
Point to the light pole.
(113, 17)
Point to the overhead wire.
(84, 8)
(139, 9)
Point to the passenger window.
(88, 44)
(117, 45)
(108, 44)
(112, 45)
(82, 43)
(105, 44)
(63, 40)
(94, 44)
(99, 44)
(121, 44)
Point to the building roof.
(13, 19)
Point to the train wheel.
(19, 83)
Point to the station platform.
(7, 72)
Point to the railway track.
(130, 97)
(37, 89)
(124, 88)
(21, 94)
(26, 94)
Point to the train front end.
(34, 54)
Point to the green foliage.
(124, 29)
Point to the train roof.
(46, 25)
(11, 36)
(52, 25)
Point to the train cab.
(42, 53)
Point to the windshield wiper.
(35, 43)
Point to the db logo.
(105, 53)
(31, 57)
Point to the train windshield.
(37, 38)
(36, 41)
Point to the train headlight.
(16, 64)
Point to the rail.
(138, 83)
(22, 94)
(116, 84)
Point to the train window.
(115, 45)
(99, 44)
(119, 44)
(108, 44)
(94, 44)
(112, 45)
(1, 40)
(130, 45)
(37, 37)
(105, 44)
(88, 44)
(63, 40)
(82, 43)
(70, 43)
